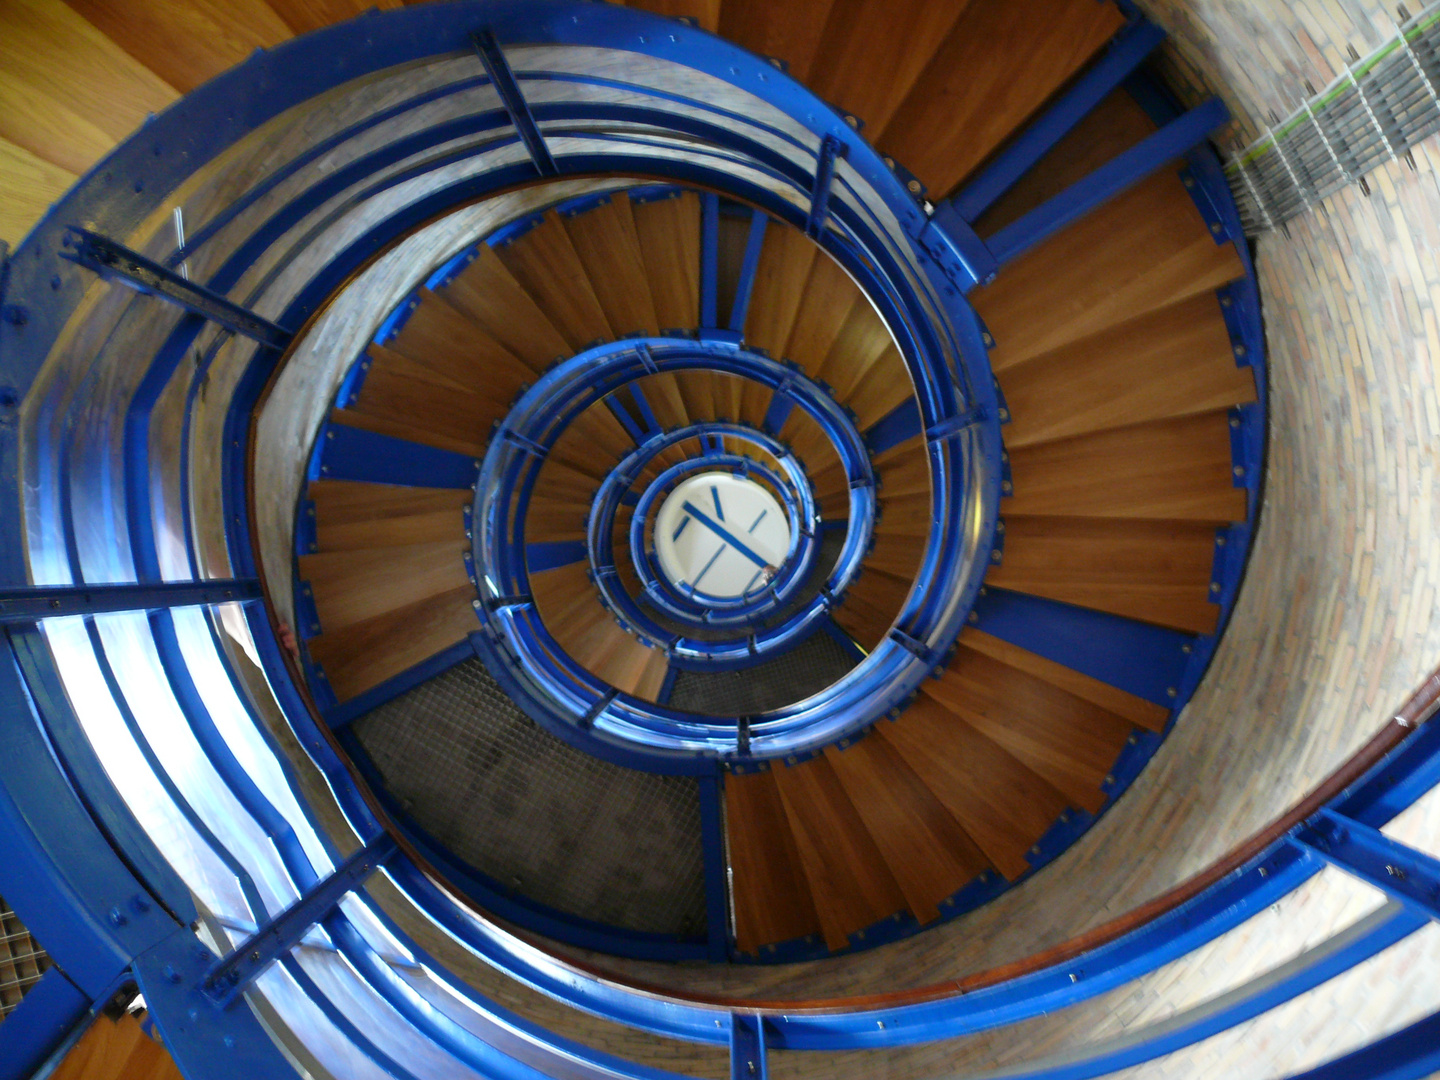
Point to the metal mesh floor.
(805, 670)
(546, 821)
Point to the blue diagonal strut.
(1407, 875)
(498, 68)
(32, 603)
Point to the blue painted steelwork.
(1413, 1053)
(830, 149)
(25, 605)
(349, 453)
(115, 262)
(963, 257)
(42, 1026)
(1124, 54)
(748, 267)
(747, 1048)
(899, 425)
(717, 884)
(498, 68)
(1410, 876)
(230, 976)
(1119, 173)
(549, 555)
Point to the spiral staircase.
(853, 494)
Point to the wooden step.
(929, 854)
(1000, 803)
(771, 894)
(546, 265)
(411, 432)
(898, 556)
(1177, 469)
(873, 52)
(352, 586)
(1134, 709)
(1071, 742)
(850, 882)
(862, 344)
(732, 239)
(786, 258)
(1106, 132)
(865, 627)
(1158, 571)
(549, 520)
(906, 515)
(904, 469)
(1145, 249)
(669, 235)
(400, 390)
(29, 185)
(998, 65)
(361, 656)
(455, 349)
(605, 239)
(350, 514)
(489, 295)
(881, 590)
(884, 387)
(1176, 361)
(829, 295)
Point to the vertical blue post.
(709, 260)
(747, 1048)
(748, 268)
(717, 892)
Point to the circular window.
(720, 537)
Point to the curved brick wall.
(1335, 625)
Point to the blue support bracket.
(498, 68)
(349, 453)
(1126, 52)
(229, 976)
(747, 1047)
(115, 262)
(712, 847)
(949, 428)
(31, 604)
(830, 148)
(749, 266)
(899, 425)
(1407, 875)
(1102, 185)
(781, 406)
(545, 555)
(962, 256)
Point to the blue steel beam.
(41, 602)
(747, 1048)
(498, 68)
(1410, 1054)
(348, 453)
(830, 148)
(748, 267)
(1102, 185)
(230, 975)
(115, 262)
(41, 1027)
(1410, 876)
(1126, 52)
(712, 846)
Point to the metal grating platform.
(22, 961)
(805, 670)
(544, 820)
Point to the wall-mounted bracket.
(508, 87)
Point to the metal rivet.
(1133, 740)
(1214, 226)
(1004, 415)
(1035, 850)
(1239, 350)
(1219, 541)
(475, 603)
(1007, 487)
(1000, 526)
(914, 186)
(974, 617)
(854, 123)
(1225, 301)
(1234, 421)
(1189, 181)
(1170, 691)
(1214, 586)
(995, 555)
(1110, 779)
(1185, 648)
(1239, 470)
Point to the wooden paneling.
(452, 346)
(791, 32)
(1158, 571)
(360, 657)
(1115, 125)
(352, 586)
(303, 16)
(1170, 469)
(608, 246)
(997, 67)
(187, 42)
(546, 265)
(1136, 710)
(926, 850)
(351, 514)
(1171, 362)
(116, 1050)
(669, 233)
(1001, 804)
(850, 882)
(872, 52)
(488, 294)
(28, 185)
(772, 896)
(1069, 741)
(67, 92)
(1145, 249)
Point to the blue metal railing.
(112, 845)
